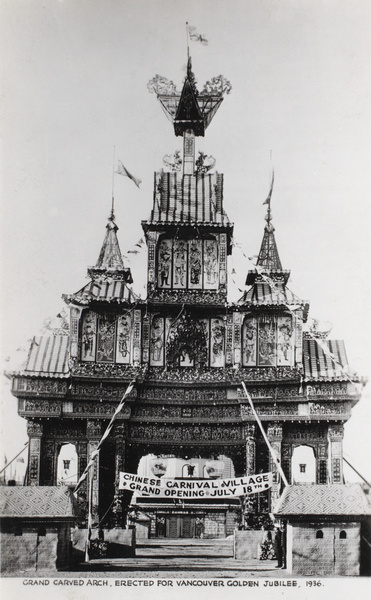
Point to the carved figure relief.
(267, 341)
(195, 264)
(249, 342)
(89, 328)
(106, 338)
(217, 342)
(164, 263)
(284, 340)
(210, 264)
(124, 337)
(157, 341)
(180, 264)
(187, 342)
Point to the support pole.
(273, 454)
(90, 512)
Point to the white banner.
(196, 488)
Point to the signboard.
(196, 488)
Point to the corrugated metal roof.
(34, 501)
(319, 365)
(263, 293)
(315, 499)
(108, 290)
(48, 355)
(196, 198)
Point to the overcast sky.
(75, 78)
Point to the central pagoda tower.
(188, 234)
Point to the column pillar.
(93, 433)
(274, 435)
(82, 453)
(335, 443)
(250, 447)
(35, 432)
(120, 447)
(249, 501)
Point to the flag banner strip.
(196, 488)
(105, 435)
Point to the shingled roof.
(36, 502)
(322, 500)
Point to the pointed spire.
(110, 262)
(268, 261)
(110, 255)
(188, 114)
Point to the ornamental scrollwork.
(204, 163)
(336, 431)
(216, 86)
(172, 162)
(34, 428)
(161, 86)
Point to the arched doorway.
(303, 465)
(189, 518)
(67, 465)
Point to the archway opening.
(303, 465)
(67, 465)
(192, 515)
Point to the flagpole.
(273, 454)
(113, 182)
(187, 35)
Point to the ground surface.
(181, 559)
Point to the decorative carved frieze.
(182, 394)
(227, 375)
(61, 430)
(99, 392)
(194, 412)
(188, 296)
(184, 433)
(279, 393)
(24, 386)
(105, 370)
(327, 389)
(306, 435)
(106, 409)
(39, 408)
(329, 408)
(276, 410)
